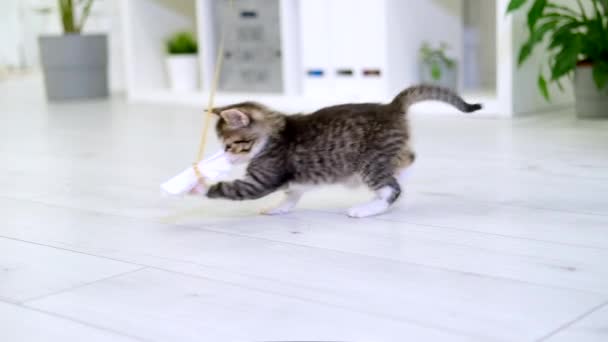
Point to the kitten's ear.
(235, 118)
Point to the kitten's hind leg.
(292, 197)
(386, 195)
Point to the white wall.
(108, 20)
(9, 34)
(21, 23)
(432, 21)
(146, 50)
(480, 48)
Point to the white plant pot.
(183, 72)
(591, 103)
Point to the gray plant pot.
(75, 66)
(591, 103)
(448, 79)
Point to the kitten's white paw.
(286, 206)
(372, 208)
(280, 210)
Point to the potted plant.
(577, 49)
(74, 64)
(436, 67)
(182, 61)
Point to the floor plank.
(539, 262)
(30, 270)
(593, 327)
(163, 306)
(18, 323)
(340, 265)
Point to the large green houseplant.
(576, 38)
(74, 64)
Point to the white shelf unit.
(382, 35)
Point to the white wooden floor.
(502, 235)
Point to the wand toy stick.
(213, 167)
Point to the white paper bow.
(211, 168)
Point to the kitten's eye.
(239, 146)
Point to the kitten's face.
(243, 130)
(242, 145)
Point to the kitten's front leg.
(261, 180)
(240, 190)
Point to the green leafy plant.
(577, 36)
(73, 14)
(68, 10)
(435, 58)
(182, 43)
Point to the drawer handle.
(249, 14)
(345, 72)
(372, 72)
(316, 73)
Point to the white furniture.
(368, 49)
(380, 37)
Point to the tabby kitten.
(367, 142)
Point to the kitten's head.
(244, 129)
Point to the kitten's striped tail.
(419, 93)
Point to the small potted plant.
(436, 67)
(75, 65)
(182, 61)
(577, 49)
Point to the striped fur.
(413, 95)
(332, 145)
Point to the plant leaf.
(565, 61)
(600, 74)
(551, 63)
(560, 16)
(539, 34)
(564, 35)
(560, 86)
(436, 71)
(67, 16)
(536, 36)
(582, 9)
(599, 21)
(536, 12)
(564, 9)
(525, 52)
(183, 42)
(542, 85)
(515, 4)
(604, 4)
(85, 14)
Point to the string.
(209, 113)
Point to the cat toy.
(213, 167)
